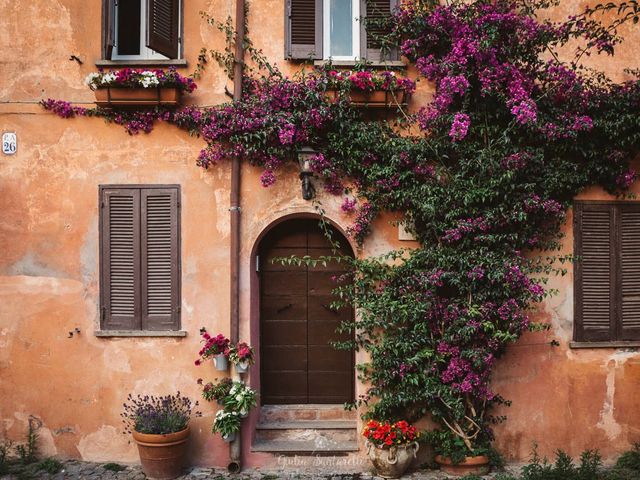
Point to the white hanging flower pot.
(221, 362)
(229, 438)
(244, 414)
(242, 367)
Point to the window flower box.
(374, 99)
(123, 96)
(370, 89)
(129, 87)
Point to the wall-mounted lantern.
(304, 159)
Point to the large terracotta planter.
(471, 465)
(392, 462)
(162, 456)
(132, 97)
(375, 99)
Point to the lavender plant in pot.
(214, 347)
(160, 428)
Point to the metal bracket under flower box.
(123, 96)
(375, 99)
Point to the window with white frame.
(341, 29)
(141, 29)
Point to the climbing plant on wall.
(485, 172)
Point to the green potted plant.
(391, 446)
(160, 428)
(241, 398)
(218, 390)
(227, 424)
(455, 457)
(241, 355)
(214, 347)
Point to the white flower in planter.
(108, 78)
(149, 79)
(91, 79)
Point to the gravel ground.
(73, 469)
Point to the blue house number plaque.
(9, 143)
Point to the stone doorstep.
(310, 424)
(309, 447)
(284, 413)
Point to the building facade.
(72, 349)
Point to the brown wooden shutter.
(108, 28)
(376, 11)
(629, 282)
(120, 246)
(303, 29)
(160, 259)
(162, 26)
(595, 272)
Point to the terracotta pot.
(471, 465)
(375, 99)
(162, 456)
(392, 462)
(122, 96)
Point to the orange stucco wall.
(562, 398)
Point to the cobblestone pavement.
(73, 469)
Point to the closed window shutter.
(160, 259)
(629, 326)
(120, 237)
(376, 13)
(303, 29)
(595, 306)
(162, 26)
(108, 28)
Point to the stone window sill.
(140, 333)
(350, 63)
(630, 344)
(141, 63)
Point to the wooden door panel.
(333, 386)
(322, 282)
(268, 262)
(285, 384)
(321, 333)
(320, 309)
(281, 358)
(283, 283)
(285, 235)
(284, 307)
(332, 264)
(327, 358)
(282, 332)
(297, 363)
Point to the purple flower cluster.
(465, 227)
(459, 127)
(348, 205)
(62, 109)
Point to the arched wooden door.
(297, 363)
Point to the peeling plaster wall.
(73, 388)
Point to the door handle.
(282, 309)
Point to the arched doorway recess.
(297, 363)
